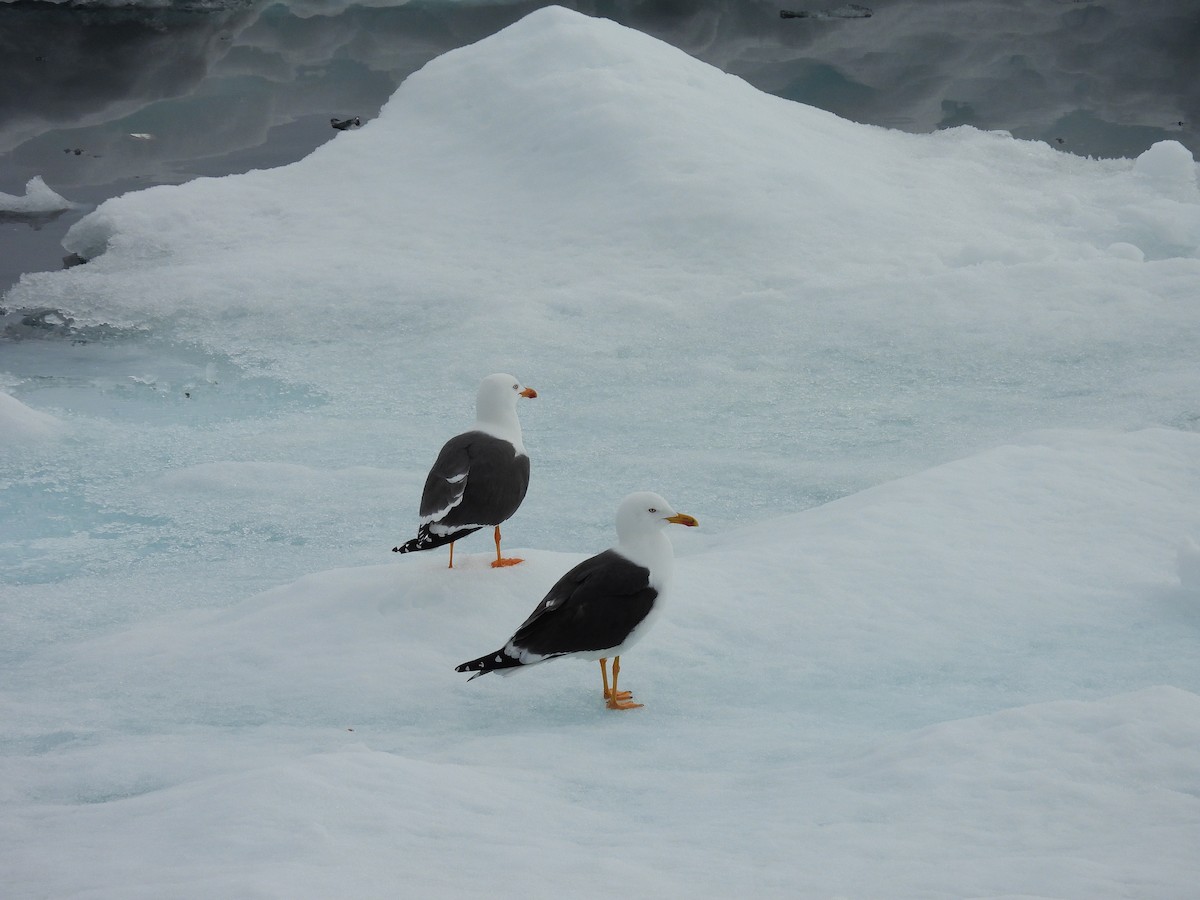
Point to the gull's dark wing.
(447, 480)
(593, 607)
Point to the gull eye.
(652, 509)
(516, 387)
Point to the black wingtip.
(426, 540)
(476, 667)
(489, 662)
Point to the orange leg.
(451, 566)
(624, 695)
(500, 560)
(617, 699)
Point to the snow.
(1170, 164)
(933, 399)
(20, 423)
(1189, 568)
(38, 198)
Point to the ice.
(1171, 164)
(38, 198)
(874, 678)
(19, 423)
(1189, 568)
(39, 204)
(932, 398)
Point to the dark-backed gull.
(604, 605)
(480, 477)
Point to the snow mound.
(581, 144)
(38, 199)
(1169, 164)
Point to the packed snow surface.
(933, 399)
(20, 423)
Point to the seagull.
(600, 608)
(481, 475)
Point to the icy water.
(102, 101)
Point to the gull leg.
(500, 560)
(624, 695)
(451, 566)
(616, 701)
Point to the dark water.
(227, 87)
